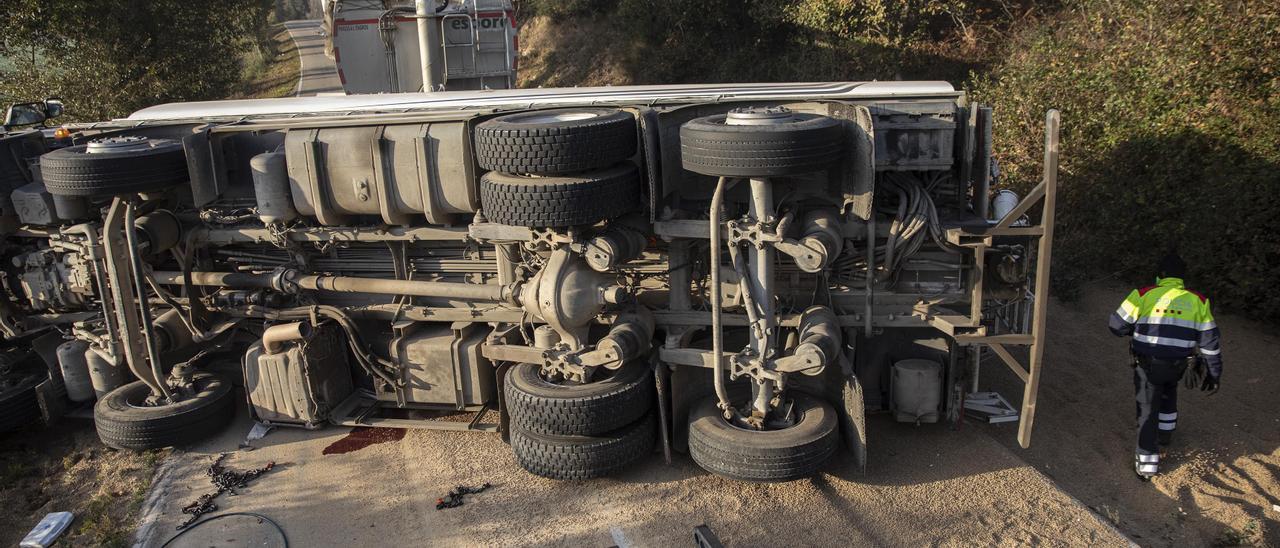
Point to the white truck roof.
(516, 98)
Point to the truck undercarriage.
(740, 271)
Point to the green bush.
(898, 22)
(766, 40)
(564, 8)
(107, 58)
(1171, 110)
(1170, 138)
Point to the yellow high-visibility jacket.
(1168, 321)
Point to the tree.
(107, 58)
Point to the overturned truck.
(741, 272)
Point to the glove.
(1209, 385)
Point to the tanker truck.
(740, 272)
(393, 46)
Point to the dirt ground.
(931, 484)
(66, 468)
(1220, 482)
(925, 485)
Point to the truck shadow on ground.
(916, 475)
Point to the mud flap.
(52, 401)
(662, 385)
(853, 413)
(504, 416)
(51, 393)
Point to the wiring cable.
(283, 537)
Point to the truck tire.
(584, 457)
(767, 456)
(551, 142)
(124, 423)
(543, 407)
(539, 202)
(149, 166)
(18, 405)
(804, 144)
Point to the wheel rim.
(600, 375)
(758, 116)
(562, 116)
(199, 386)
(118, 144)
(797, 417)
(140, 401)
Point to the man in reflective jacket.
(1168, 324)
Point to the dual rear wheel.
(581, 431)
(558, 168)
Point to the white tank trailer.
(392, 46)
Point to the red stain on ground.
(361, 437)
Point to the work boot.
(1146, 471)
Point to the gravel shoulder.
(929, 484)
(925, 485)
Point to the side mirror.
(52, 108)
(25, 114)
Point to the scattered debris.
(990, 406)
(48, 530)
(704, 537)
(256, 433)
(261, 519)
(227, 481)
(454, 498)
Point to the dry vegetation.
(64, 468)
(271, 74)
(1169, 109)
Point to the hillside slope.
(1169, 110)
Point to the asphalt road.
(318, 74)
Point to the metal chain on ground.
(454, 498)
(227, 481)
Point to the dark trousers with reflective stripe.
(1155, 387)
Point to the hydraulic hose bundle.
(914, 217)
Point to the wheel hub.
(779, 418)
(758, 116)
(550, 117)
(118, 144)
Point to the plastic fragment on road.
(258, 432)
(48, 530)
(990, 406)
